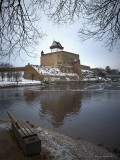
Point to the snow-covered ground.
(49, 71)
(57, 146)
(67, 148)
(21, 82)
(87, 71)
(46, 70)
(89, 76)
(54, 74)
(51, 74)
(96, 79)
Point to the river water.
(88, 111)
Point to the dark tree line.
(11, 76)
(99, 19)
(5, 65)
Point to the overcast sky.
(90, 52)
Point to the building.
(65, 61)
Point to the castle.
(66, 61)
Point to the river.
(88, 111)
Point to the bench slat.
(11, 118)
(21, 133)
(24, 126)
(27, 131)
(29, 127)
(23, 129)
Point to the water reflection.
(59, 105)
(55, 105)
(31, 95)
(8, 97)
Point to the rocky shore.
(55, 146)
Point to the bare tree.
(102, 21)
(17, 76)
(99, 19)
(18, 28)
(11, 75)
(2, 74)
(5, 65)
(8, 76)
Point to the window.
(59, 62)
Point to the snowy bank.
(64, 147)
(54, 74)
(88, 76)
(46, 70)
(23, 82)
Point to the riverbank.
(26, 82)
(55, 146)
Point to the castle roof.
(56, 44)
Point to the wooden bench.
(25, 134)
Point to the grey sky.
(91, 53)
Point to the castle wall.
(77, 68)
(49, 59)
(85, 67)
(65, 61)
(32, 74)
(13, 69)
(62, 60)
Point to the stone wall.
(61, 78)
(32, 74)
(49, 59)
(13, 69)
(84, 67)
(95, 71)
(77, 68)
(65, 61)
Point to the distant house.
(66, 61)
(101, 72)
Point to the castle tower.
(56, 46)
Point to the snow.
(52, 74)
(58, 146)
(89, 76)
(4, 126)
(87, 71)
(21, 82)
(46, 70)
(64, 147)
